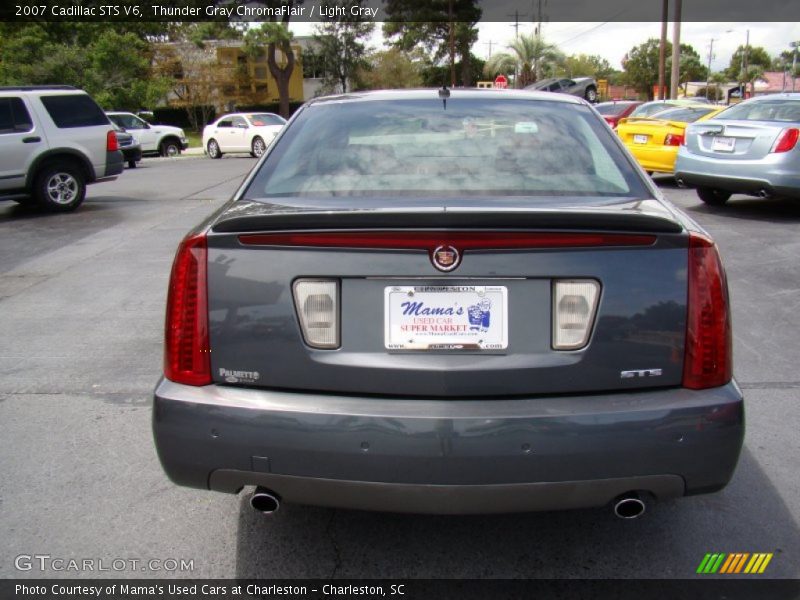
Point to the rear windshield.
(611, 109)
(784, 110)
(683, 115)
(471, 146)
(266, 119)
(645, 110)
(74, 110)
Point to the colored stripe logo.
(734, 563)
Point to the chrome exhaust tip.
(629, 506)
(763, 194)
(681, 183)
(265, 501)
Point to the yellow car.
(654, 140)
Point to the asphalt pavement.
(81, 321)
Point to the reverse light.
(674, 139)
(708, 360)
(187, 356)
(317, 304)
(787, 139)
(574, 307)
(112, 143)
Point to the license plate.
(639, 139)
(446, 318)
(723, 144)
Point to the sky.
(612, 40)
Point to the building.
(221, 75)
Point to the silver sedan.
(751, 148)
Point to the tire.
(60, 187)
(713, 196)
(213, 149)
(169, 148)
(131, 164)
(591, 95)
(258, 146)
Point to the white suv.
(163, 140)
(54, 140)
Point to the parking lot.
(81, 314)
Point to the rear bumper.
(439, 456)
(660, 159)
(133, 153)
(739, 176)
(115, 162)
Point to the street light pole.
(708, 76)
(794, 61)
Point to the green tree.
(275, 36)
(529, 58)
(585, 65)
(339, 43)
(431, 26)
(756, 56)
(640, 65)
(390, 69)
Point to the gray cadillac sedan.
(466, 301)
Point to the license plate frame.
(446, 318)
(723, 144)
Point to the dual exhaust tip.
(628, 506)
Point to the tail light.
(187, 356)
(786, 140)
(674, 139)
(708, 361)
(112, 143)
(574, 306)
(317, 303)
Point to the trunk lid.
(636, 341)
(733, 140)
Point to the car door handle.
(31, 140)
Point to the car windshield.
(783, 110)
(685, 114)
(262, 119)
(646, 110)
(470, 146)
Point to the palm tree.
(529, 57)
(754, 73)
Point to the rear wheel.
(713, 196)
(258, 147)
(591, 94)
(169, 147)
(60, 187)
(131, 164)
(213, 149)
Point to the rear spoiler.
(562, 220)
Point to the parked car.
(449, 302)
(583, 87)
(751, 148)
(654, 141)
(131, 150)
(54, 140)
(163, 140)
(241, 132)
(615, 110)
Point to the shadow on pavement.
(668, 541)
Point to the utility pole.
(676, 52)
(516, 16)
(490, 43)
(744, 64)
(539, 20)
(662, 50)
(708, 77)
(794, 61)
(452, 44)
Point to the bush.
(178, 117)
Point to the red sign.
(501, 82)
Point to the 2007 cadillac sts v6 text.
(449, 302)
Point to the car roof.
(432, 93)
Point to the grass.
(195, 139)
